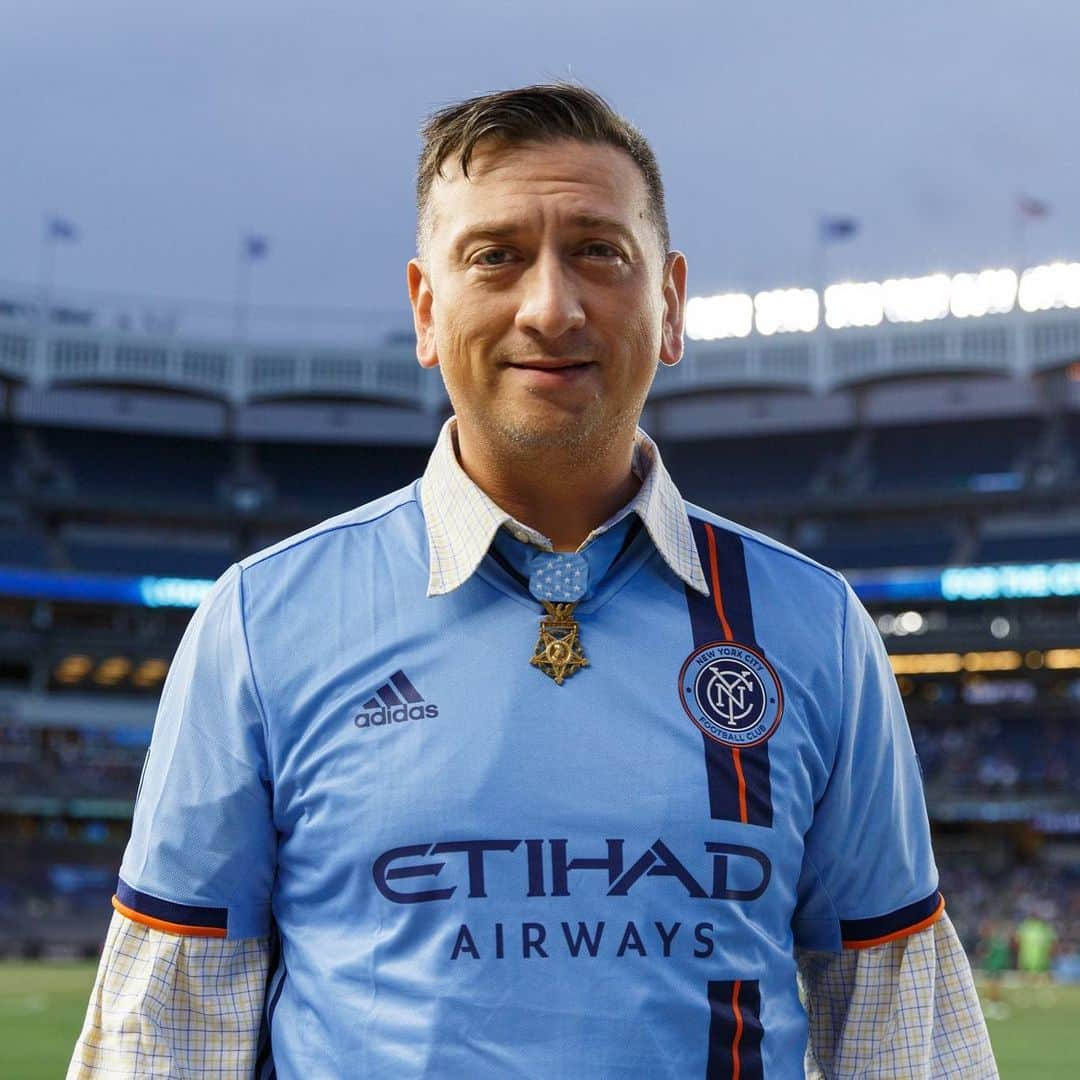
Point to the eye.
(599, 249)
(492, 257)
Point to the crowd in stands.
(979, 752)
(57, 883)
(69, 763)
(994, 911)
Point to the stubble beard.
(582, 438)
(579, 439)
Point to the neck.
(564, 494)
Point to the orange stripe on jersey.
(744, 817)
(896, 935)
(168, 927)
(718, 596)
(736, 1066)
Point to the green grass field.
(42, 1006)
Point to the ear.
(671, 344)
(422, 300)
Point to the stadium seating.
(158, 559)
(916, 456)
(860, 545)
(1006, 549)
(7, 460)
(122, 464)
(347, 474)
(716, 471)
(23, 547)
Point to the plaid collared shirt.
(165, 1005)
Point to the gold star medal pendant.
(559, 581)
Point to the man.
(531, 769)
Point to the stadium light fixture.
(726, 315)
(1056, 285)
(915, 300)
(786, 311)
(854, 303)
(994, 291)
(990, 292)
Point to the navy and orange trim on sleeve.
(739, 779)
(173, 918)
(902, 923)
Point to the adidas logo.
(396, 701)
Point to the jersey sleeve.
(868, 873)
(201, 856)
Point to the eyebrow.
(496, 229)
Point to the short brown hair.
(540, 113)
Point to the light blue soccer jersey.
(474, 872)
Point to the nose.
(550, 304)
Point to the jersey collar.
(462, 520)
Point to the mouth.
(542, 375)
(551, 365)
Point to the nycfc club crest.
(732, 693)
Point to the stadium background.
(934, 461)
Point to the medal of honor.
(558, 651)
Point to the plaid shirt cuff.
(166, 1005)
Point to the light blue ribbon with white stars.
(559, 576)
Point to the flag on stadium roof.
(256, 246)
(836, 227)
(1031, 207)
(58, 228)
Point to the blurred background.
(205, 346)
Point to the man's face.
(544, 295)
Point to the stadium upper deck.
(924, 422)
(994, 323)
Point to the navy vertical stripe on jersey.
(722, 555)
(723, 781)
(735, 1031)
(731, 562)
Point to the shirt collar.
(462, 520)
